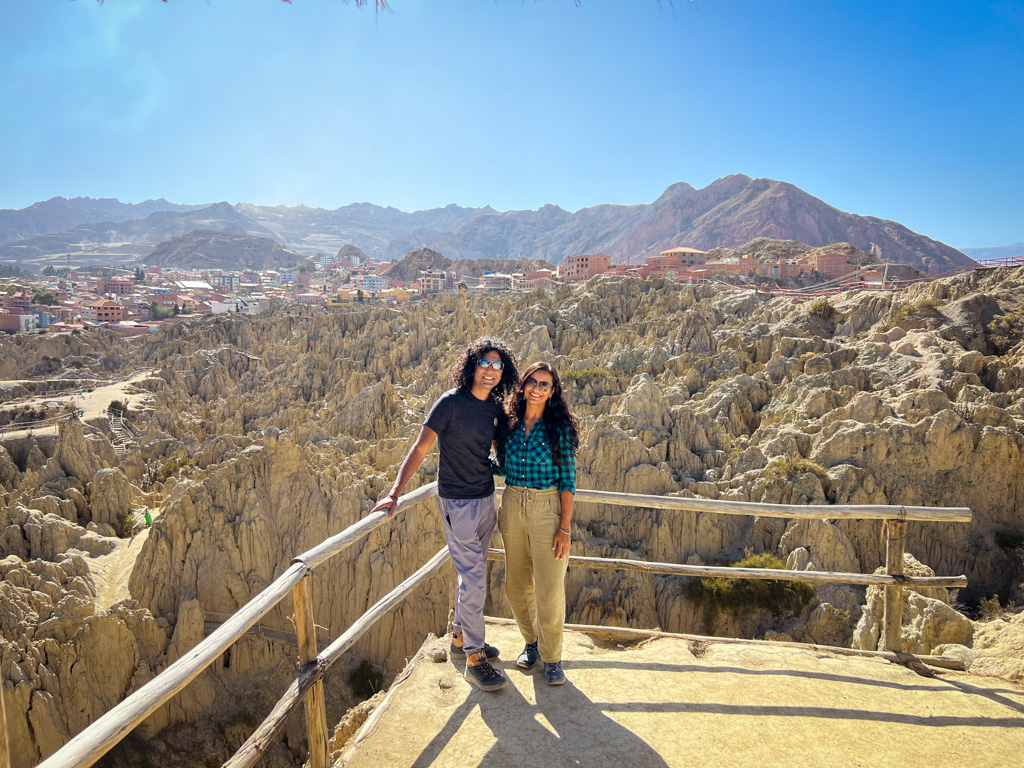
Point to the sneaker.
(553, 673)
(481, 674)
(528, 657)
(457, 649)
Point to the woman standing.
(538, 459)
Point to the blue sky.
(912, 111)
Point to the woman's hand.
(560, 546)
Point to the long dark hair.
(558, 416)
(465, 367)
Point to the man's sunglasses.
(495, 364)
(531, 382)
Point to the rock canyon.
(256, 437)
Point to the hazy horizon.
(896, 110)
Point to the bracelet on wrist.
(567, 533)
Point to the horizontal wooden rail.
(625, 633)
(94, 742)
(726, 572)
(811, 511)
(335, 544)
(252, 750)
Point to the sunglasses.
(495, 364)
(532, 383)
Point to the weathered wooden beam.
(813, 577)
(629, 633)
(5, 750)
(340, 541)
(316, 711)
(252, 750)
(892, 610)
(809, 511)
(94, 742)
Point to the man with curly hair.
(464, 422)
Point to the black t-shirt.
(465, 428)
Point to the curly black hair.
(465, 367)
(558, 416)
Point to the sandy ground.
(110, 572)
(657, 704)
(93, 403)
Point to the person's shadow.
(580, 734)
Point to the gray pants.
(468, 525)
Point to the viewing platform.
(636, 697)
(666, 701)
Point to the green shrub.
(923, 306)
(965, 411)
(824, 309)
(786, 468)
(172, 467)
(116, 406)
(126, 525)
(775, 595)
(1005, 331)
(366, 680)
(1009, 539)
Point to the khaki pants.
(534, 577)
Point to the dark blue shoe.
(528, 657)
(456, 649)
(480, 673)
(553, 673)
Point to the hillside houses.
(135, 304)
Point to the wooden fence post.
(316, 712)
(895, 540)
(5, 753)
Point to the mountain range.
(999, 252)
(727, 213)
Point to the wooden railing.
(93, 742)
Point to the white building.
(231, 282)
(370, 283)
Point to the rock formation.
(266, 434)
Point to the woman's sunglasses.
(531, 382)
(495, 364)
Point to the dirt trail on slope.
(111, 572)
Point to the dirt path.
(111, 572)
(93, 403)
(656, 704)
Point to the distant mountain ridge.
(727, 213)
(209, 249)
(60, 213)
(998, 252)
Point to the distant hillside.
(348, 250)
(205, 248)
(58, 214)
(727, 213)
(113, 242)
(766, 249)
(736, 209)
(410, 266)
(369, 227)
(1000, 252)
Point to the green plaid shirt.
(529, 461)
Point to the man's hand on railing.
(389, 503)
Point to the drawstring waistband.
(526, 495)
